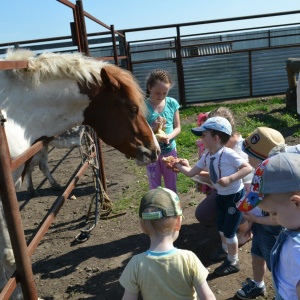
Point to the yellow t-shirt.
(170, 275)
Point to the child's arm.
(129, 296)
(244, 170)
(176, 129)
(204, 292)
(187, 170)
(264, 220)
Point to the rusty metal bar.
(71, 5)
(112, 28)
(67, 3)
(101, 165)
(33, 243)
(22, 158)
(212, 21)
(77, 29)
(14, 222)
(48, 220)
(82, 27)
(8, 65)
(109, 57)
(180, 72)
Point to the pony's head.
(116, 112)
(109, 100)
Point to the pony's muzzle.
(146, 156)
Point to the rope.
(87, 148)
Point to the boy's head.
(160, 207)
(218, 126)
(159, 203)
(275, 186)
(261, 141)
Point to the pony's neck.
(49, 110)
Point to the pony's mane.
(76, 66)
(48, 65)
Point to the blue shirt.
(171, 106)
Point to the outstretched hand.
(171, 162)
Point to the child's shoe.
(250, 290)
(219, 255)
(226, 268)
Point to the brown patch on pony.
(125, 80)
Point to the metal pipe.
(48, 220)
(82, 27)
(180, 73)
(14, 222)
(112, 29)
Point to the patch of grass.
(133, 193)
(248, 116)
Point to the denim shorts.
(228, 216)
(263, 240)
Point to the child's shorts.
(263, 240)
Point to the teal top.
(171, 106)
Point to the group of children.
(227, 162)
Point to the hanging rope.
(89, 151)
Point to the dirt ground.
(65, 269)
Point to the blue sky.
(34, 19)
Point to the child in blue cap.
(226, 169)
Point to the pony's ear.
(105, 78)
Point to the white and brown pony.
(59, 91)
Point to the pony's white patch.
(65, 110)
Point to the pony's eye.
(134, 110)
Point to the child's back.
(164, 272)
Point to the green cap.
(165, 202)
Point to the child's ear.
(178, 224)
(296, 199)
(216, 137)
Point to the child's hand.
(164, 140)
(224, 181)
(184, 162)
(171, 162)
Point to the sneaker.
(227, 268)
(218, 255)
(250, 290)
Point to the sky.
(36, 19)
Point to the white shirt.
(227, 162)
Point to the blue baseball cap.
(214, 123)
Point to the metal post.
(14, 222)
(180, 75)
(113, 36)
(82, 33)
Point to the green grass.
(248, 115)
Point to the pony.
(59, 91)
